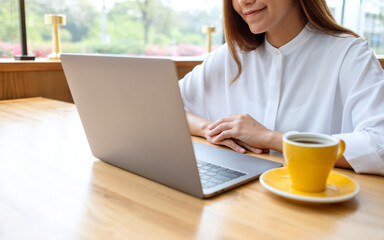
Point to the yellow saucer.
(339, 187)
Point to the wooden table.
(52, 188)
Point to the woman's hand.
(199, 127)
(246, 131)
(231, 143)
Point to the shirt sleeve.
(192, 91)
(202, 87)
(362, 91)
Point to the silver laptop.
(133, 117)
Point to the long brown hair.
(239, 36)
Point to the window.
(9, 30)
(150, 27)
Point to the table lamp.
(55, 21)
(209, 30)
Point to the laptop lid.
(134, 118)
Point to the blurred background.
(150, 27)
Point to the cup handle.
(341, 149)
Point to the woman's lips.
(254, 12)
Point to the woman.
(288, 66)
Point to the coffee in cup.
(310, 158)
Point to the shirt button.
(277, 53)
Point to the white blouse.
(316, 82)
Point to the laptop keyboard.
(212, 175)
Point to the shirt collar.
(295, 43)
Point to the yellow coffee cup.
(310, 158)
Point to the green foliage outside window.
(128, 27)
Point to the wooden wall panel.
(49, 84)
(184, 67)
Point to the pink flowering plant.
(176, 50)
(8, 50)
(41, 50)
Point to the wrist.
(275, 140)
(197, 126)
(203, 128)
